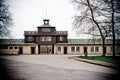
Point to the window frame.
(46, 39)
(97, 49)
(72, 49)
(59, 49)
(15, 47)
(92, 49)
(77, 48)
(30, 38)
(11, 47)
(46, 30)
(61, 38)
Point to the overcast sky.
(28, 14)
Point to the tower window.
(46, 29)
(46, 21)
(61, 38)
(30, 38)
(46, 39)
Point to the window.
(30, 38)
(96, 49)
(15, 47)
(46, 39)
(11, 47)
(92, 49)
(72, 49)
(77, 48)
(46, 29)
(61, 38)
(59, 49)
(116, 48)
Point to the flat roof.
(89, 41)
(14, 42)
(70, 41)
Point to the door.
(52, 49)
(85, 49)
(65, 50)
(32, 50)
(20, 50)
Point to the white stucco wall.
(27, 49)
(81, 52)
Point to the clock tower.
(46, 35)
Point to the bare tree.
(113, 25)
(92, 15)
(5, 20)
(113, 7)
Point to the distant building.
(47, 40)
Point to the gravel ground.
(19, 70)
(44, 68)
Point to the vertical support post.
(38, 49)
(52, 49)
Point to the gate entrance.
(46, 49)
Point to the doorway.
(65, 50)
(38, 49)
(46, 49)
(32, 50)
(20, 50)
(85, 49)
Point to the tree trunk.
(113, 31)
(98, 26)
(103, 47)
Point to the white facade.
(59, 49)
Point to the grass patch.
(109, 59)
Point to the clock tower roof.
(46, 24)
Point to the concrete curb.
(95, 62)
